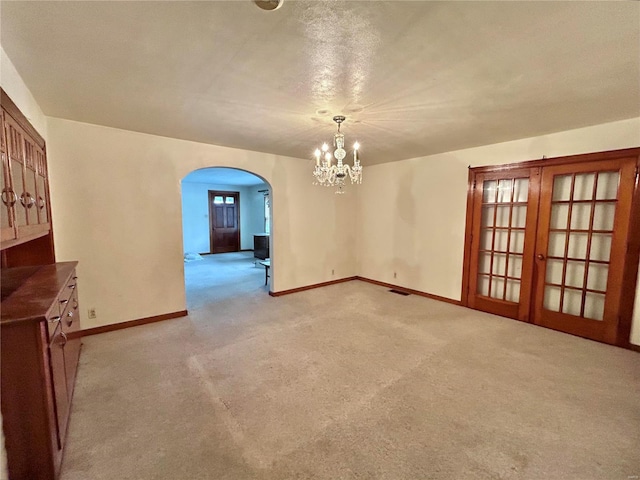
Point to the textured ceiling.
(413, 78)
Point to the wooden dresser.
(39, 361)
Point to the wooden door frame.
(214, 193)
(632, 257)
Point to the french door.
(548, 243)
(504, 218)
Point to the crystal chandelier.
(330, 175)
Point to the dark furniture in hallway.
(261, 246)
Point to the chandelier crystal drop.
(329, 174)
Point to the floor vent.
(399, 292)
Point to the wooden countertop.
(28, 293)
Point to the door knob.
(540, 256)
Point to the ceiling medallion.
(268, 5)
(330, 175)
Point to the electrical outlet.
(395, 275)
(91, 313)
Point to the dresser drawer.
(70, 316)
(64, 298)
(53, 321)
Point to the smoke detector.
(269, 5)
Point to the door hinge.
(474, 180)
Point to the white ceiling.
(413, 78)
(223, 176)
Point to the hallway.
(224, 277)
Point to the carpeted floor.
(347, 382)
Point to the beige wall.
(412, 213)
(17, 90)
(117, 209)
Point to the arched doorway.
(226, 226)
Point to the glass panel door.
(503, 219)
(582, 230)
(42, 198)
(15, 151)
(30, 182)
(7, 230)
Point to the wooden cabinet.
(26, 209)
(39, 359)
(261, 246)
(39, 323)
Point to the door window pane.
(517, 241)
(600, 246)
(483, 285)
(229, 200)
(497, 288)
(499, 264)
(502, 236)
(217, 200)
(583, 188)
(559, 215)
(561, 187)
(578, 245)
(552, 298)
(594, 306)
(580, 216)
(486, 239)
(572, 302)
(519, 219)
(515, 266)
(597, 279)
(489, 191)
(513, 291)
(554, 271)
(574, 276)
(556, 244)
(502, 216)
(521, 190)
(603, 216)
(505, 188)
(484, 263)
(488, 213)
(607, 186)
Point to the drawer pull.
(64, 302)
(74, 278)
(54, 319)
(64, 337)
(70, 314)
(72, 286)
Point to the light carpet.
(347, 382)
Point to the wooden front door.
(549, 242)
(581, 246)
(224, 221)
